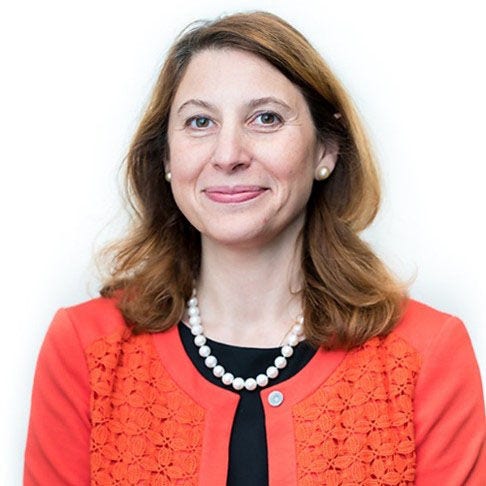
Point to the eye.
(199, 122)
(268, 118)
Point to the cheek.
(185, 161)
(293, 162)
(296, 149)
(186, 203)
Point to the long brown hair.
(348, 294)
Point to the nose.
(231, 152)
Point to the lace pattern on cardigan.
(357, 429)
(145, 430)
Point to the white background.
(76, 75)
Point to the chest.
(355, 427)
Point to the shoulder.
(90, 320)
(444, 354)
(423, 327)
(447, 396)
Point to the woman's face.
(242, 149)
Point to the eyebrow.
(197, 102)
(252, 103)
(268, 99)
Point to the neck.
(250, 297)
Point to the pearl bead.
(204, 351)
(227, 378)
(280, 362)
(211, 361)
(192, 302)
(293, 340)
(195, 330)
(287, 351)
(218, 371)
(193, 311)
(199, 340)
(272, 372)
(250, 384)
(238, 383)
(322, 173)
(262, 380)
(298, 329)
(194, 320)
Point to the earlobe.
(168, 174)
(327, 160)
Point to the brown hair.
(348, 294)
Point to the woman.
(247, 335)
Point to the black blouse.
(248, 464)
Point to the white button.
(275, 398)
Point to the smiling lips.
(234, 194)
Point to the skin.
(243, 153)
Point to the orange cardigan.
(110, 408)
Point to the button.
(275, 398)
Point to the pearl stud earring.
(322, 172)
(168, 176)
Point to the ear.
(166, 158)
(166, 164)
(327, 154)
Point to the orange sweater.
(110, 408)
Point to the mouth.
(233, 194)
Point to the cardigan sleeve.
(57, 448)
(449, 412)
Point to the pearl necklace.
(238, 383)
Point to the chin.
(251, 232)
(231, 237)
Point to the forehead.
(234, 74)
